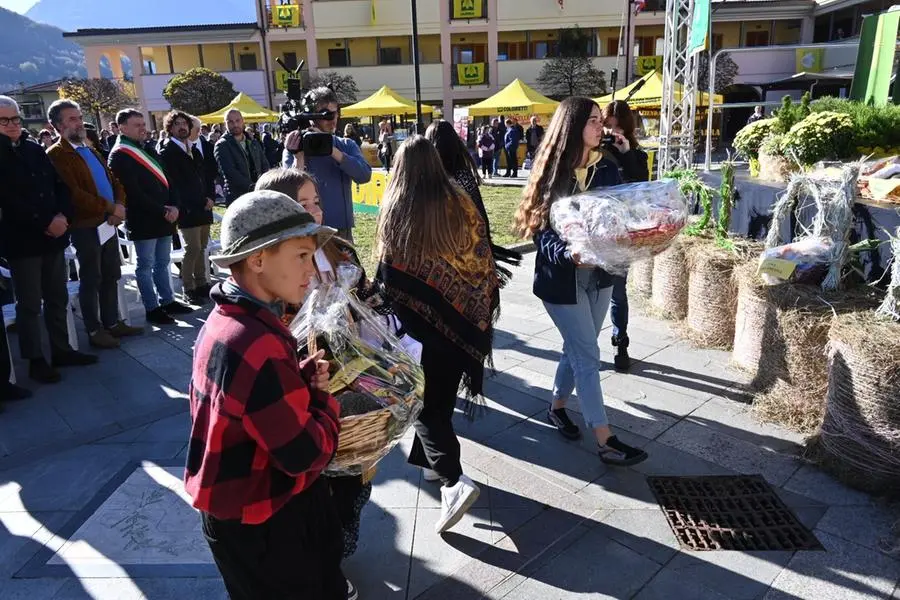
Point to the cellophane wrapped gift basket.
(379, 386)
(616, 226)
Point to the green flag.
(699, 27)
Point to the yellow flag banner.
(810, 60)
(467, 9)
(281, 78)
(470, 74)
(374, 17)
(648, 64)
(287, 15)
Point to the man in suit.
(34, 233)
(184, 169)
(207, 157)
(151, 217)
(98, 198)
(241, 159)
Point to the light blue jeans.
(153, 268)
(580, 324)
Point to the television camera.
(299, 112)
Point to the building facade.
(468, 49)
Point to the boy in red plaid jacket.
(263, 429)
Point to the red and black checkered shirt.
(259, 433)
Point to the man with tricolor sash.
(151, 217)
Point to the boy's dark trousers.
(295, 555)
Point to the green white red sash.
(145, 160)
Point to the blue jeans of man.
(580, 325)
(497, 154)
(153, 269)
(618, 308)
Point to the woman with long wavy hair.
(575, 295)
(439, 275)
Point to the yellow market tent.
(384, 102)
(251, 109)
(650, 94)
(515, 99)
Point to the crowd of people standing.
(275, 526)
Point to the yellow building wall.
(159, 56)
(247, 49)
(605, 34)
(787, 32)
(402, 42)
(217, 57)
(730, 32)
(469, 38)
(185, 58)
(363, 52)
(322, 48)
(296, 46)
(650, 31)
(511, 36)
(757, 26)
(430, 48)
(544, 35)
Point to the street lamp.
(415, 50)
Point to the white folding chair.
(124, 242)
(72, 287)
(128, 293)
(12, 366)
(177, 256)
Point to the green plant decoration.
(750, 138)
(824, 135)
(690, 185)
(726, 193)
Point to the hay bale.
(640, 278)
(755, 327)
(712, 295)
(670, 278)
(860, 436)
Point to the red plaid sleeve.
(298, 434)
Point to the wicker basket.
(364, 439)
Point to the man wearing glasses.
(34, 233)
(335, 173)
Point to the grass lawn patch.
(500, 202)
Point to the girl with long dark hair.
(439, 275)
(462, 169)
(625, 152)
(575, 295)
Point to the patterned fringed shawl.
(449, 302)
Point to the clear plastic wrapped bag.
(804, 261)
(615, 226)
(379, 386)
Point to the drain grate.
(729, 513)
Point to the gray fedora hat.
(261, 219)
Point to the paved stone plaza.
(91, 502)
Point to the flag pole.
(415, 50)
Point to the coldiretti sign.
(470, 74)
(467, 9)
(287, 15)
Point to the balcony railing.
(280, 14)
(466, 10)
(468, 74)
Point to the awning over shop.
(382, 103)
(252, 111)
(515, 99)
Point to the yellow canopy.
(516, 99)
(251, 109)
(382, 103)
(650, 95)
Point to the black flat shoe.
(559, 418)
(158, 316)
(619, 453)
(177, 308)
(12, 392)
(74, 359)
(41, 372)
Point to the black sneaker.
(158, 316)
(177, 308)
(74, 358)
(559, 418)
(40, 371)
(621, 361)
(197, 298)
(620, 454)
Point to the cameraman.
(335, 173)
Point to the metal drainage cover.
(729, 513)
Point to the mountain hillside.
(34, 53)
(70, 15)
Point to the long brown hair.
(421, 210)
(451, 148)
(289, 182)
(624, 118)
(558, 156)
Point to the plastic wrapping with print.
(379, 386)
(615, 226)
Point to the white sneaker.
(430, 475)
(455, 501)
